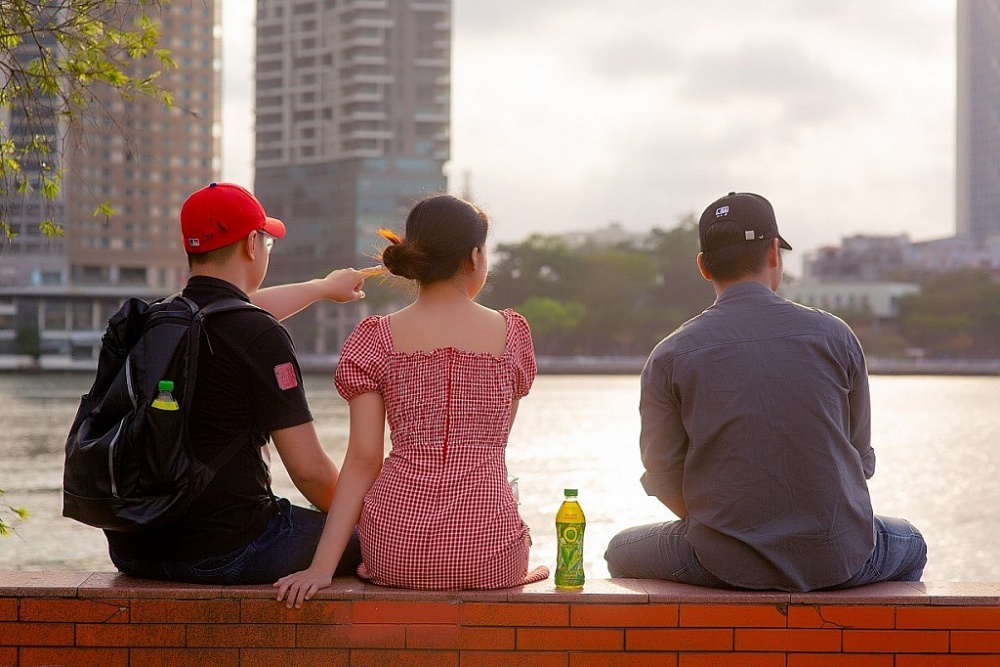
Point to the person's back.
(231, 401)
(441, 514)
(247, 389)
(773, 482)
(756, 433)
(447, 374)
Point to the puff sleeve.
(360, 369)
(521, 352)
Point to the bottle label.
(569, 560)
(166, 403)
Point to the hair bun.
(404, 259)
(441, 233)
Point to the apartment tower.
(141, 157)
(977, 191)
(352, 127)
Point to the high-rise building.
(352, 127)
(141, 157)
(977, 191)
(26, 256)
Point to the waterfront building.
(26, 255)
(861, 257)
(140, 156)
(352, 127)
(977, 191)
(956, 253)
(877, 300)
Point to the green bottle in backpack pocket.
(165, 398)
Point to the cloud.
(569, 114)
(780, 80)
(573, 114)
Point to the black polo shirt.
(249, 384)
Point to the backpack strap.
(227, 303)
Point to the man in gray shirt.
(756, 434)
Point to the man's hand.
(343, 285)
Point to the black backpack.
(129, 465)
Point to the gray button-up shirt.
(757, 411)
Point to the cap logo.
(748, 235)
(193, 242)
(721, 211)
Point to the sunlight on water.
(936, 441)
(935, 438)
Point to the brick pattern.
(109, 619)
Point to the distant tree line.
(956, 315)
(600, 300)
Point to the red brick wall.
(79, 618)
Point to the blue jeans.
(285, 545)
(661, 551)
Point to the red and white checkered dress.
(441, 514)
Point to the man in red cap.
(249, 386)
(756, 434)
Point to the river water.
(936, 439)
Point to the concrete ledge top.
(596, 591)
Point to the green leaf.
(50, 229)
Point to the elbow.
(321, 476)
(365, 465)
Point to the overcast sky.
(571, 114)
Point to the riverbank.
(579, 365)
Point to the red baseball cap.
(223, 213)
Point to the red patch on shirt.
(285, 373)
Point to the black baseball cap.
(737, 218)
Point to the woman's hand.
(301, 586)
(362, 463)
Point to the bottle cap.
(569, 492)
(165, 385)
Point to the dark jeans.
(661, 551)
(286, 545)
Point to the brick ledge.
(597, 591)
(107, 619)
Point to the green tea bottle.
(570, 524)
(165, 398)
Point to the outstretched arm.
(362, 464)
(283, 301)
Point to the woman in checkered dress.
(447, 374)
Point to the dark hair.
(441, 233)
(736, 261)
(212, 256)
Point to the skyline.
(567, 117)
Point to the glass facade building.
(353, 104)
